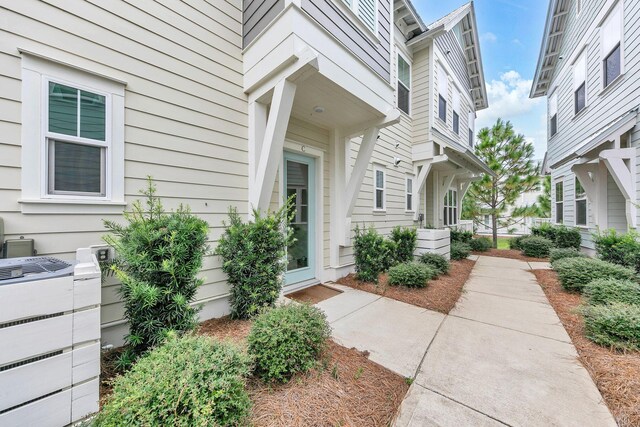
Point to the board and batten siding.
(185, 116)
(603, 106)
(257, 15)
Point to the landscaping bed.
(616, 374)
(346, 388)
(511, 254)
(441, 294)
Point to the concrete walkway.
(501, 357)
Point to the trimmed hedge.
(436, 261)
(187, 381)
(481, 244)
(286, 340)
(561, 253)
(605, 291)
(618, 248)
(614, 325)
(406, 240)
(411, 275)
(536, 247)
(460, 250)
(560, 235)
(515, 242)
(461, 236)
(576, 273)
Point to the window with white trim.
(379, 188)
(472, 127)
(366, 10)
(580, 82)
(73, 137)
(443, 93)
(409, 193)
(581, 204)
(404, 84)
(456, 111)
(559, 201)
(553, 114)
(450, 213)
(611, 45)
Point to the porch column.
(339, 148)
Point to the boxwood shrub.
(614, 325)
(561, 235)
(514, 242)
(605, 291)
(436, 261)
(459, 250)
(480, 244)
(576, 273)
(411, 275)
(286, 340)
(406, 240)
(536, 246)
(561, 253)
(188, 381)
(618, 248)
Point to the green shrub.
(481, 244)
(618, 248)
(561, 253)
(389, 254)
(406, 240)
(615, 325)
(459, 250)
(515, 242)
(546, 230)
(461, 236)
(436, 261)
(605, 291)
(159, 256)
(536, 246)
(253, 255)
(286, 340)
(187, 381)
(411, 275)
(575, 273)
(372, 254)
(566, 237)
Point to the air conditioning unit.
(49, 340)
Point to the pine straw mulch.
(441, 294)
(509, 253)
(346, 389)
(616, 374)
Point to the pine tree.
(510, 157)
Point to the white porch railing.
(536, 222)
(465, 225)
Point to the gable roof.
(556, 23)
(406, 13)
(467, 16)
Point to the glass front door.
(299, 183)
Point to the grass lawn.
(503, 242)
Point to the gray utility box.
(49, 340)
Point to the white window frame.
(456, 111)
(472, 127)
(351, 7)
(604, 54)
(408, 190)
(553, 111)
(579, 79)
(558, 202)
(37, 72)
(450, 210)
(443, 86)
(583, 197)
(379, 168)
(404, 58)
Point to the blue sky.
(510, 36)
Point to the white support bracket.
(621, 164)
(587, 174)
(421, 172)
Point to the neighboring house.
(356, 107)
(589, 70)
(517, 225)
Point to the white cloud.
(489, 37)
(517, 42)
(508, 99)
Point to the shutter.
(443, 82)
(367, 12)
(612, 30)
(579, 71)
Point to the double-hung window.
(366, 10)
(379, 188)
(559, 202)
(580, 82)
(77, 140)
(581, 204)
(404, 84)
(553, 114)
(443, 93)
(611, 45)
(472, 127)
(450, 213)
(456, 109)
(409, 193)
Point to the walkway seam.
(355, 311)
(504, 296)
(424, 356)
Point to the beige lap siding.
(185, 114)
